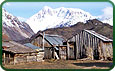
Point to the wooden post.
(54, 54)
(82, 40)
(36, 57)
(53, 51)
(102, 50)
(14, 59)
(75, 48)
(81, 43)
(78, 45)
(99, 48)
(9, 55)
(91, 47)
(60, 52)
(4, 57)
(43, 39)
(111, 50)
(9, 58)
(68, 53)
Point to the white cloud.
(107, 16)
(21, 18)
(108, 12)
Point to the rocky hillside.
(67, 32)
(96, 25)
(13, 29)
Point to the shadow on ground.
(97, 64)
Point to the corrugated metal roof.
(18, 48)
(32, 46)
(54, 39)
(7, 44)
(103, 38)
(98, 35)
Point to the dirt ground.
(62, 64)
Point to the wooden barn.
(52, 45)
(40, 55)
(90, 45)
(13, 53)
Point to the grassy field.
(62, 64)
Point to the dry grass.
(62, 64)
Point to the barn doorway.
(84, 52)
(96, 54)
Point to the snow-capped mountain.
(108, 20)
(59, 17)
(13, 28)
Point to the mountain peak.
(59, 17)
(46, 8)
(13, 28)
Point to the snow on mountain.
(108, 20)
(59, 17)
(13, 28)
(50, 18)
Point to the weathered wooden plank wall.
(92, 47)
(48, 53)
(62, 52)
(39, 42)
(22, 58)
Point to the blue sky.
(27, 9)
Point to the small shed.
(91, 45)
(13, 53)
(40, 55)
(50, 44)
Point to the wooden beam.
(53, 51)
(111, 50)
(9, 57)
(14, 59)
(68, 51)
(60, 52)
(80, 45)
(92, 58)
(83, 38)
(89, 46)
(75, 48)
(99, 49)
(86, 39)
(4, 55)
(43, 39)
(93, 46)
(104, 51)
